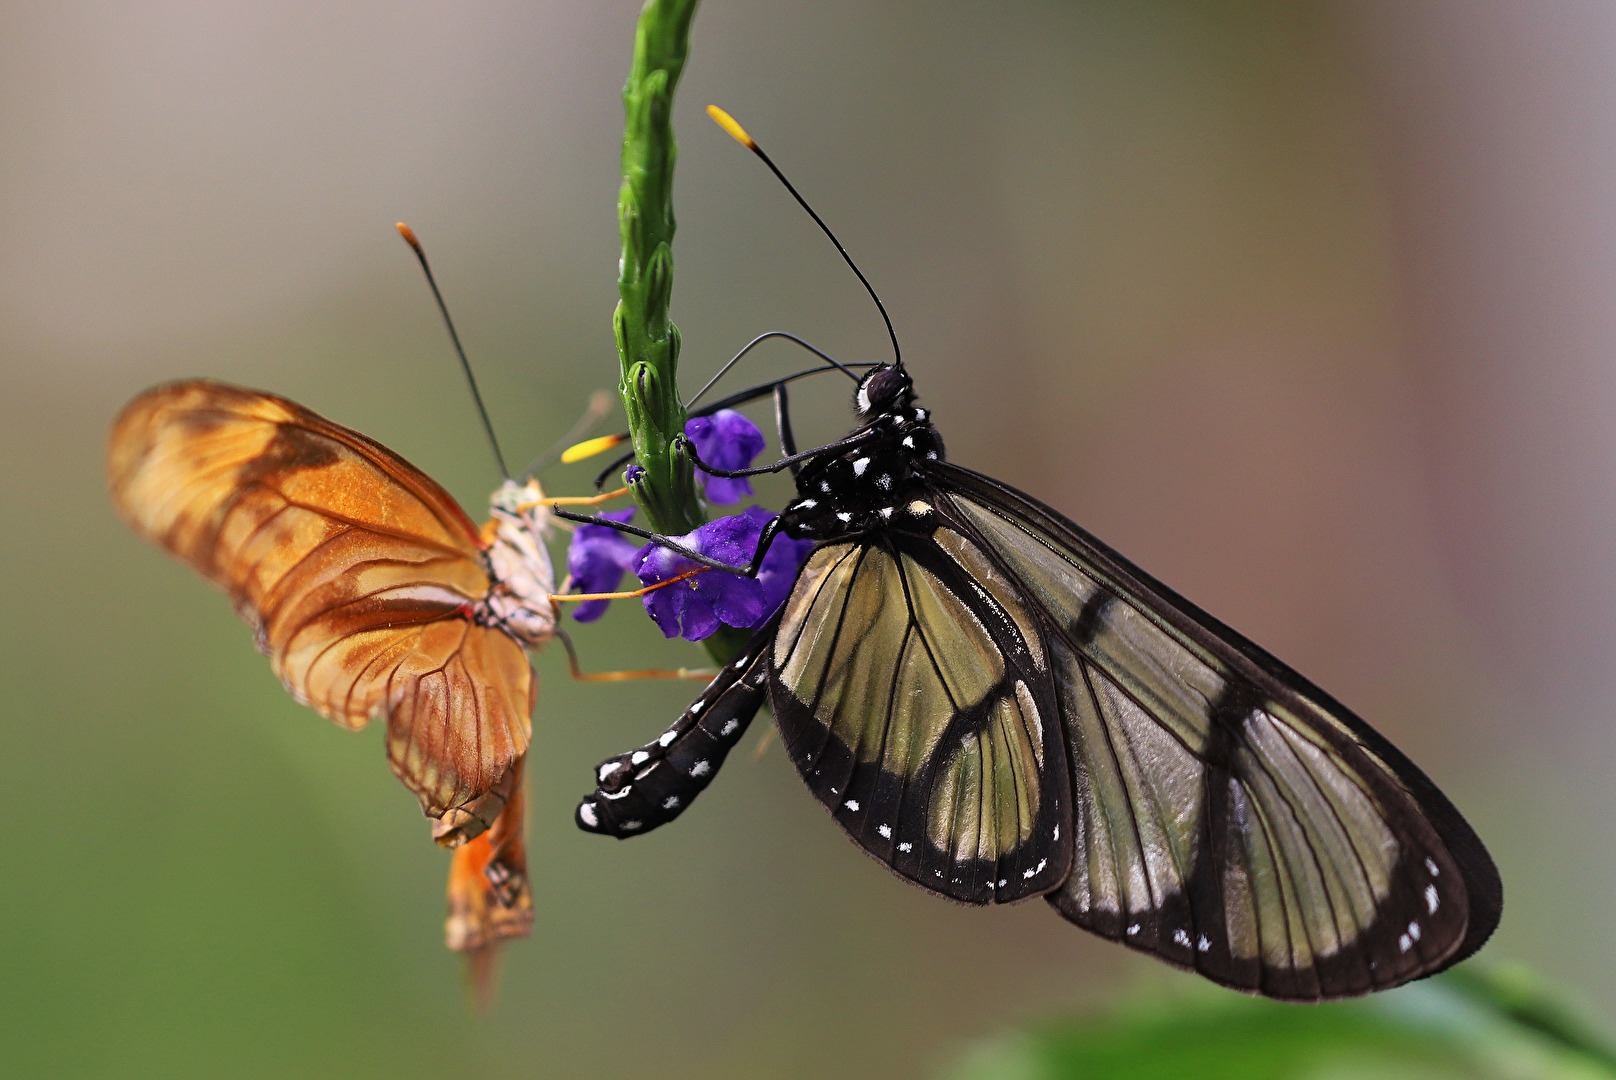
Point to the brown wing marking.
(357, 571)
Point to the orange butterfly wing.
(358, 572)
(489, 899)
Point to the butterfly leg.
(755, 392)
(782, 424)
(765, 538)
(577, 671)
(575, 500)
(564, 597)
(684, 446)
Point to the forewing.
(912, 699)
(649, 787)
(357, 571)
(1229, 816)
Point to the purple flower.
(725, 440)
(779, 570)
(597, 559)
(693, 609)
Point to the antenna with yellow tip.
(590, 447)
(738, 133)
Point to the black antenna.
(738, 133)
(420, 253)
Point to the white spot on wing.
(1430, 899)
(1133, 930)
(886, 512)
(607, 769)
(851, 804)
(696, 707)
(1430, 864)
(729, 728)
(630, 826)
(807, 504)
(859, 465)
(1403, 943)
(906, 847)
(671, 803)
(1182, 937)
(667, 737)
(701, 768)
(885, 831)
(1202, 944)
(639, 757)
(1414, 931)
(587, 815)
(844, 517)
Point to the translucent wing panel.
(1228, 816)
(910, 705)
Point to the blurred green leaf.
(1497, 1023)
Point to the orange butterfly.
(373, 594)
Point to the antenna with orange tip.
(454, 337)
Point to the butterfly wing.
(914, 705)
(1228, 816)
(489, 898)
(357, 571)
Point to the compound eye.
(881, 388)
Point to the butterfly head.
(523, 578)
(521, 502)
(884, 389)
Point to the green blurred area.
(1460, 1025)
(1300, 305)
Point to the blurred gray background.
(1307, 307)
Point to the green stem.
(647, 339)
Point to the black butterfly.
(995, 705)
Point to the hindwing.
(914, 700)
(1228, 816)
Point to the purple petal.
(725, 440)
(597, 558)
(693, 609)
(779, 570)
